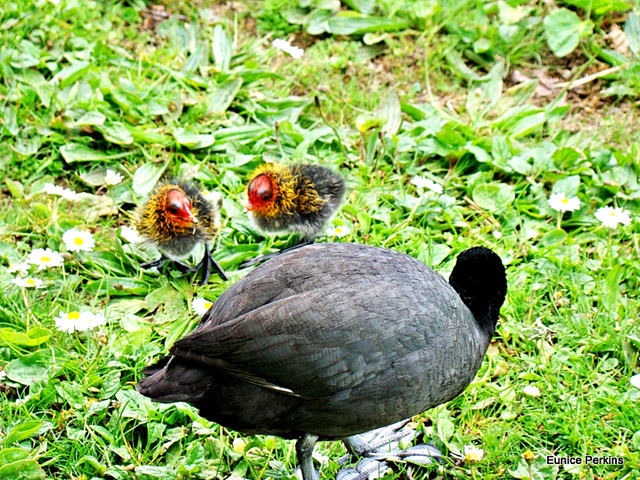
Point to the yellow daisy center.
(45, 259)
(30, 281)
(565, 200)
(207, 305)
(73, 316)
(613, 214)
(78, 241)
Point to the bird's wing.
(348, 329)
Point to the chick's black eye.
(172, 210)
(266, 197)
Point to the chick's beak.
(190, 214)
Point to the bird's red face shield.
(178, 208)
(261, 193)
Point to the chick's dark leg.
(262, 258)
(156, 263)
(304, 451)
(206, 264)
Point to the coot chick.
(175, 218)
(292, 198)
(335, 339)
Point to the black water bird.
(332, 340)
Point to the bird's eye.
(266, 197)
(173, 210)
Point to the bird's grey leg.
(304, 451)
(267, 256)
(156, 263)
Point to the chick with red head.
(298, 198)
(175, 218)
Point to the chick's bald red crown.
(178, 207)
(260, 192)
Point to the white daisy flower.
(74, 321)
(112, 178)
(96, 320)
(531, 391)
(69, 194)
(422, 182)
(339, 231)
(473, 453)
(28, 282)
(295, 52)
(78, 240)
(560, 203)
(635, 381)
(3, 374)
(201, 305)
(52, 189)
(611, 217)
(45, 258)
(22, 268)
(131, 235)
(66, 193)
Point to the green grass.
(87, 86)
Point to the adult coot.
(335, 339)
(175, 218)
(293, 198)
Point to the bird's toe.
(367, 469)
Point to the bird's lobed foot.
(384, 445)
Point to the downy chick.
(293, 198)
(175, 218)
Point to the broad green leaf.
(567, 185)
(566, 157)
(564, 29)
(221, 48)
(77, 152)
(493, 196)
(32, 338)
(146, 177)
(193, 140)
(612, 287)
(147, 472)
(632, 30)
(455, 60)
(9, 455)
(95, 464)
(34, 367)
(22, 470)
(349, 23)
(107, 261)
(117, 286)
(389, 109)
(91, 118)
(15, 188)
(70, 74)
(552, 238)
(22, 431)
(221, 97)
(116, 132)
(528, 125)
(601, 7)
(362, 6)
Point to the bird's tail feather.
(174, 380)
